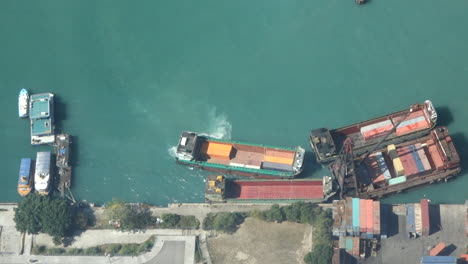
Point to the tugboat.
(23, 100)
(360, 2)
(25, 181)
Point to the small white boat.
(23, 100)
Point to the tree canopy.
(36, 213)
(128, 216)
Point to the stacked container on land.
(410, 225)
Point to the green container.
(349, 244)
(397, 180)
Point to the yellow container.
(281, 160)
(211, 184)
(399, 170)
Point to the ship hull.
(24, 190)
(236, 171)
(23, 100)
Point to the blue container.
(410, 219)
(369, 235)
(439, 259)
(416, 158)
(356, 215)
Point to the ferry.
(41, 114)
(218, 189)
(23, 101)
(239, 158)
(42, 175)
(25, 182)
(396, 167)
(410, 123)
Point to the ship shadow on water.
(461, 144)
(60, 113)
(310, 166)
(445, 116)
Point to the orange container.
(437, 249)
(412, 127)
(281, 160)
(280, 153)
(217, 150)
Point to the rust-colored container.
(356, 242)
(426, 223)
(376, 221)
(362, 216)
(437, 249)
(280, 153)
(281, 160)
(436, 158)
(349, 215)
(369, 216)
(417, 218)
(409, 164)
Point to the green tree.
(170, 220)
(128, 216)
(36, 213)
(275, 214)
(227, 222)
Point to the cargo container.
(356, 216)
(369, 216)
(349, 215)
(437, 249)
(425, 219)
(349, 244)
(397, 180)
(421, 151)
(438, 260)
(356, 244)
(342, 242)
(466, 218)
(367, 134)
(382, 165)
(376, 221)
(287, 161)
(436, 157)
(418, 219)
(362, 216)
(410, 221)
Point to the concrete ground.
(258, 242)
(447, 226)
(10, 239)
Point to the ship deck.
(251, 156)
(266, 190)
(40, 127)
(40, 106)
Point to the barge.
(411, 124)
(42, 175)
(239, 158)
(396, 167)
(62, 151)
(218, 189)
(25, 182)
(41, 115)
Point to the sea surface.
(130, 76)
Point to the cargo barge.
(62, 151)
(396, 168)
(25, 181)
(218, 189)
(41, 115)
(413, 123)
(42, 175)
(239, 158)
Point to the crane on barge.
(343, 169)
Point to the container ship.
(396, 167)
(41, 114)
(239, 158)
(23, 100)
(218, 189)
(410, 124)
(42, 175)
(25, 182)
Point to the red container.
(437, 249)
(407, 160)
(362, 216)
(369, 216)
(376, 222)
(426, 224)
(436, 158)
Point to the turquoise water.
(130, 76)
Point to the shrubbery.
(112, 249)
(225, 222)
(179, 221)
(128, 217)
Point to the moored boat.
(25, 181)
(239, 158)
(218, 189)
(398, 167)
(23, 101)
(412, 123)
(41, 114)
(42, 174)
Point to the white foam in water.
(218, 127)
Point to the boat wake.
(172, 151)
(218, 127)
